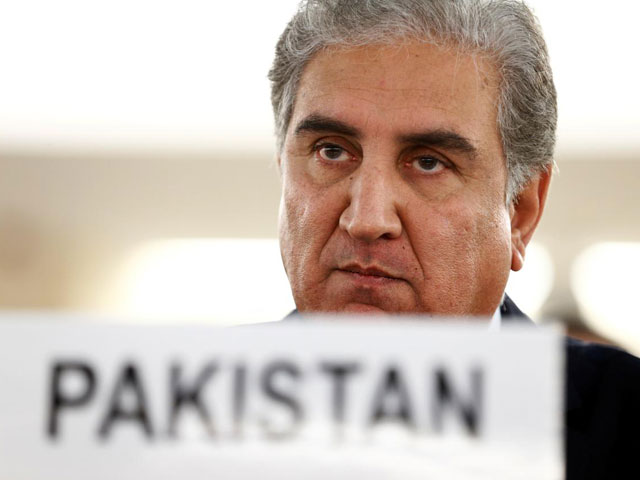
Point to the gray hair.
(505, 31)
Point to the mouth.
(372, 274)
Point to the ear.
(526, 212)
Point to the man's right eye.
(333, 153)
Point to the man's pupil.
(428, 163)
(333, 152)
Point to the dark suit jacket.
(602, 409)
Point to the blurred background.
(137, 176)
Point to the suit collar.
(511, 313)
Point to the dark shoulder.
(599, 374)
(602, 411)
(601, 363)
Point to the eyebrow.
(446, 139)
(318, 123)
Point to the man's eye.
(333, 153)
(428, 164)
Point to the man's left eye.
(428, 164)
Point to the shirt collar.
(496, 320)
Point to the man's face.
(394, 183)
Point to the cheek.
(489, 250)
(486, 230)
(461, 240)
(296, 213)
(306, 221)
(290, 225)
(464, 252)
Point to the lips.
(369, 273)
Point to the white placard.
(307, 399)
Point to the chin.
(352, 308)
(362, 308)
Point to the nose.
(372, 211)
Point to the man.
(415, 143)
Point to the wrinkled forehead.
(406, 66)
(407, 84)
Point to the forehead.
(407, 85)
